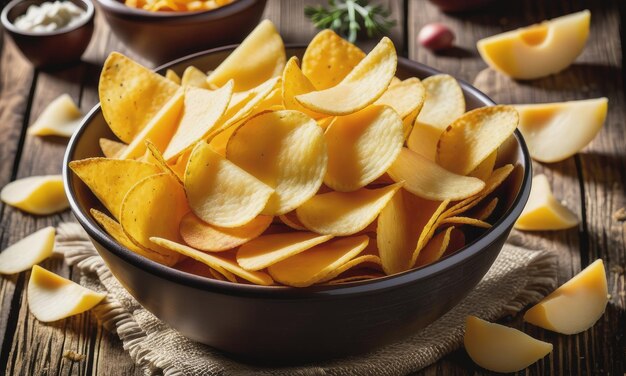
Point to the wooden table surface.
(592, 183)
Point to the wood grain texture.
(592, 183)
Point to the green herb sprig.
(345, 17)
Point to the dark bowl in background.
(278, 324)
(54, 48)
(163, 36)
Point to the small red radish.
(435, 36)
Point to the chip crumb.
(73, 356)
(620, 214)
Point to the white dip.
(49, 16)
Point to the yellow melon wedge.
(52, 297)
(500, 349)
(576, 305)
(27, 252)
(543, 211)
(60, 118)
(556, 131)
(538, 50)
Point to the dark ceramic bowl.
(163, 36)
(284, 324)
(53, 48)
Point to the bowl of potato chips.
(284, 204)
(167, 29)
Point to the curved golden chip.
(465, 221)
(40, 195)
(470, 139)
(342, 213)
(258, 58)
(397, 234)
(155, 157)
(360, 88)
(292, 221)
(201, 113)
(221, 193)
(267, 250)
(428, 180)
(215, 262)
(435, 248)
(111, 179)
(423, 140)
(52, 297)
(194, 77)
(405, 97)
(329, 58)
(485, 168)
(113, 228)
(154, 207)
(131, 95)
(315, 264)
(357, 261)
(361, 147)
(25, 253)
(444, 101)
(296, 83)
(172, 76)
(205, 237)
(286, 151)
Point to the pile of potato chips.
(274, 171)
(177, 5)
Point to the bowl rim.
(492, 235)
(117, 7)
(4, 18)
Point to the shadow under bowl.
(54, 48)
(279, 324)
(163, 36)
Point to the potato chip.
(189, 265)
(180, 165)
(221, 193)
(328, 59)
(159, 161)
(485, 168)
(215, 262)
(423, 140)
(258, 58)
(485, 211)
(154, 207)
(111, 149)
(115, 230)
(52, 297)
(408, 122)
(244, 107)
(291, 220)
(111, 179)
(465, 221)
(315, 264)
(159, 129)
(435, 248)
(286, 151)
(444, 101)
(396, 238)
(361, 147)
(355, 262)
(296, 83)
(40, 195)
(344, 213)
(432, 217)
(360, 88)
(428, 180)
(405, 98)
(201, 112)
(60, 118)
(205, 237)
(130, 95)
(470, 139)
(29, 251)
(267, 250)
(194, 77)
(172, 76)
(498, 176)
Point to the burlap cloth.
(517, 278)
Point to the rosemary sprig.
(346, 17)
